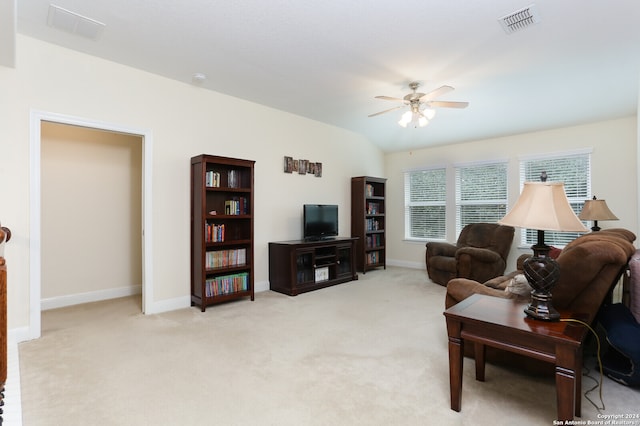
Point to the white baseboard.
(19, 334)
(261, 286)
(93, 296)
(405, 264)
(96, 296)
(23, 334)
(169, 305)
(185, 301)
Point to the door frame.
(35, 188)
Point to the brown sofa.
(590, 267)
(479, 254)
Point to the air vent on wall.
(520, 19)
(74, 23)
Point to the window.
(425, 203)
(574, 170)
(481, 193)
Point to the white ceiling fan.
(421, 105)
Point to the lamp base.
(540, 307)
(542, 273)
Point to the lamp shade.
(543, 206)
(596, 210)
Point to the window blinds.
(425, 203)
(481, 193)
(574, 170)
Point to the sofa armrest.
(441, 248)
(521, 259)
(459, 289)
(501, 282)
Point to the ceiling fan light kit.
(420, 105)
(416, 119)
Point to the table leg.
(567, 381)
(578, 391)
(456, 348)
(479, 354)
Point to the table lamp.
(542, 206)
(596, 210)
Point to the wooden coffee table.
(502, 323)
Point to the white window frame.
(433, 202)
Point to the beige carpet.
(369, 352)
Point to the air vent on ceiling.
(520, 19)
(74, 23)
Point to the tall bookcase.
(221, 230)
(368, 221)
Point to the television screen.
(320, 221)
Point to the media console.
(299, 266)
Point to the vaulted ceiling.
(327, 60)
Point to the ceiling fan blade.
(448, 104)
(389, 98)
(436, 93)
(386, 110)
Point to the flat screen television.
(320, 221)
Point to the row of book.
(373, 258)
(212, 179)
(373, 208)
(213, 233)
(368, 190)
(226, 284)
(225, 258)
(236, 206)
(372, 225)
(374, 241)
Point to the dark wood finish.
(294, 265)
(502, 323)
(370, 249)
(238, 227)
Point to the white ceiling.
(326, 60)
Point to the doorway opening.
(38, 120)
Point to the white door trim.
(35, 272)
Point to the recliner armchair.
(479, 254)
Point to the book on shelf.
(373, 208)
(373, 241)
(236, 206)
(233, 179)
(212, 179)
(373, 258)
(369, 190)
(213, 233)
(372, 225)
(225, 258)
(226, 284)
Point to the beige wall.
(91, 205)
(614, 175)
(184, 121)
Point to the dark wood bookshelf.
(222, 203)
(368, 221)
